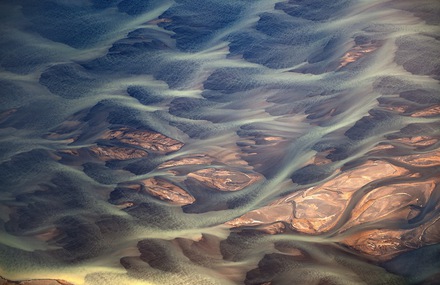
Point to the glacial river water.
(220, 142)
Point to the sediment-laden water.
(219, 142)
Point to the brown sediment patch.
(73, 152)
(262, 140)
(357, 52)
(65, 131)
(272, 229)
(417, 141)
(167, 191)
(289, 249)
(48, 234)
(207, 252)
(148, 140)
(430, 234)
(359, 176)
(125, 205)
(428, 112)
(231, 158)
(269, 140)
(427, 159)
(265, 215)
(396, 202)
(380, 244)
(318, 213)
(224, 179)
(106, 153)
(316, 210)
(34, 282)
(320, 158)
(351, 180)
(161, 189)
(383, 146)
(259, 151)
(77, 156)
(384, 244)
(60, 137)
(394, 105)
(221, 158)
(207, 247)
(192, 160)
(397, 109)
